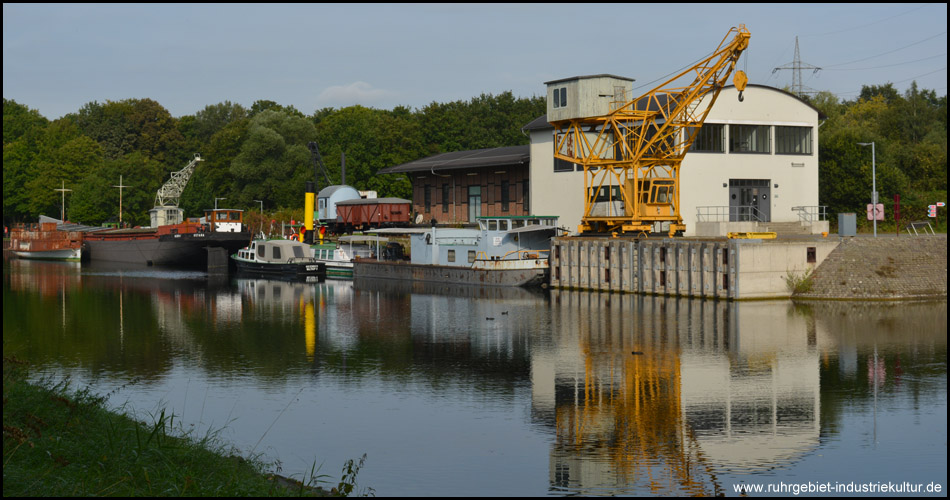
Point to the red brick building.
(456, 187)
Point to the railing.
(812, 213)
(920, 224)
(729, 214)
(517, 255)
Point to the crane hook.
(741, 98)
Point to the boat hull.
(309, 271)
(153, 249)
(68, 254)
(496, 276)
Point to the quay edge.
(884, 268)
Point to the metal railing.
(729, 214)
(809, 214)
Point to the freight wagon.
(354, 215)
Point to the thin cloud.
(354, 93)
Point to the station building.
(754, 163)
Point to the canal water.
(452, 391)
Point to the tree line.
(256, 153)
(260, 153)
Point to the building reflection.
(652, 394)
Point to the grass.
(63, 442)
(799, 282)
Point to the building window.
(524, 197)
(427, 195)
(560, 97)
(749, 139)
(445, 198)
(711, 138)
(505, 196)
(563, 165)
(793, 140)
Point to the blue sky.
(58, 57)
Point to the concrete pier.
(733, 269)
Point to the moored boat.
(184, 244)
(46, 240)
(502, 251)
(289, 259)
(340, 255)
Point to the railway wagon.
(372, 212)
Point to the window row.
(475, 196)
(712, 138)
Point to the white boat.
(503, 251)
(289, 259)
(339, 256)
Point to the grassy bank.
(63, 442)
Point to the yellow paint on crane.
(751, 235)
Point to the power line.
(869, 24)
(888, 65)
(890, 51)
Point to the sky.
(58, 57)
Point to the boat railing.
(516, 255)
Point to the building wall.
(793, 179)
(456, 208)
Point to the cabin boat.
(339, 256)
(502, 251)
(289, 259)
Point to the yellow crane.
(631, 156)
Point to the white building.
(755, 160)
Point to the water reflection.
(620, 394)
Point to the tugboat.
(287, 259)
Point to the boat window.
(221, 215)
(532, 221)
(471, 256)
(451, 255)
(298, 252)
(483, 225)
(504, 225)
(517, 223)
(492, 225)
(276, 253)
(260, 250)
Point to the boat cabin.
(225, 220)
(276, 251)
(497, 238)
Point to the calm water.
(465, 391)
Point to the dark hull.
(172, 250)
(310, 271)
(367, 269)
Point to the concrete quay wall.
(705, 268)
(738, 269)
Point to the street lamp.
(262, 216)
(216, 202)
(873, 185)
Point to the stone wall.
(885, 267)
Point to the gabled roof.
(490, 157)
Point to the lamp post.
(262, 215)
(216, 202)
(873, 185)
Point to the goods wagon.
(372, 212)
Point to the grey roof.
(602, 75)
(490, 157)
(541, 122)
(372, 201)
(329, 190)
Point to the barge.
(46, 241)
(502, 251)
